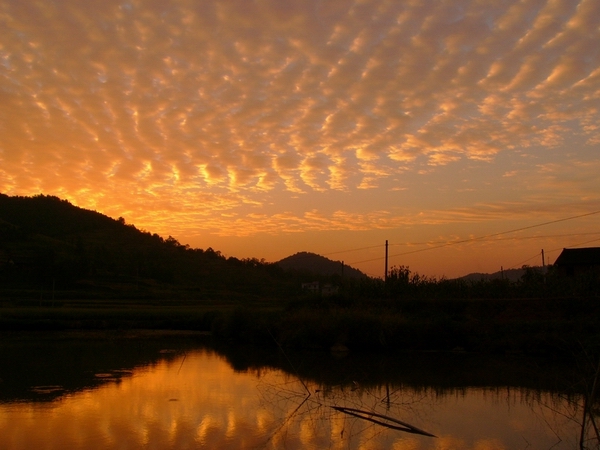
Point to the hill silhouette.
(508, 274)
(49, 244)
(318, 265)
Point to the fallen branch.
(368, 415)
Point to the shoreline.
(529, 326)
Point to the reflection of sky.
(203, 403)
(264, 128)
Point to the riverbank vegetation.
(64, 268)
(549, 326)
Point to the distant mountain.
(318, 265)
(509, 274)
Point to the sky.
(462, 132)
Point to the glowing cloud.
(229, 109)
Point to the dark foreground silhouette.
(63, 267)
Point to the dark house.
(573, 261)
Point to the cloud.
(220, 105)
(571, 179)
(314, 221)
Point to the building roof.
(589, 256)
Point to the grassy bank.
(540, 326)
(537, 326)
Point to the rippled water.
(188, 396)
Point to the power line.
(574, 245)
(587, 242)
(555, 249)
(521, 263)
(462, 241)
(446, 243)
(516, 238)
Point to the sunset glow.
(264, 128)
(200, 402)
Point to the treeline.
(542, 313)
(535, 283)
(48, 247)
(48, 244)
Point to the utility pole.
(386, 262)
(543, 259)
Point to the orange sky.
(262, 128)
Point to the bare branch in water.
(368, 415)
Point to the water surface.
(183, 394)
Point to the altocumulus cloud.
(187, 108)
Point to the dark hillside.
(312, 263)
(508, 274)
(48, 244)
(51, 216)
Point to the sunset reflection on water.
(196, 400)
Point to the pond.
(113, 393)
